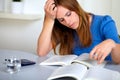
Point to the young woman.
(77, 32)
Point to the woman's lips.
(72, 25)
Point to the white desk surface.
(33, 72)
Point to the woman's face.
(67, 17)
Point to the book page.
(71, 72)
(99, 73)
(85, 60)
(59, 60)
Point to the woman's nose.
(67, 21)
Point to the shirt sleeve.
(109, 29)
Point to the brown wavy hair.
(64, 36)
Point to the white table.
(33, 72)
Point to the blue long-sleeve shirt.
(102, 28)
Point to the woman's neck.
(90, 18)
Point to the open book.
(80, 72)
(70, 59)
(74, 67)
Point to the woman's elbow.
(116, 61)
(41, 53)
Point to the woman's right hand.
(50, 9)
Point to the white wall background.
(23, 35)
(110, 7)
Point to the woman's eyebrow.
(64, 15)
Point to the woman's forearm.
(44, 40)
(116, 54)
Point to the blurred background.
(20, 31)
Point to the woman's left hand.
(102, 50)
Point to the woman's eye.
(68, 13)
(61, 20)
